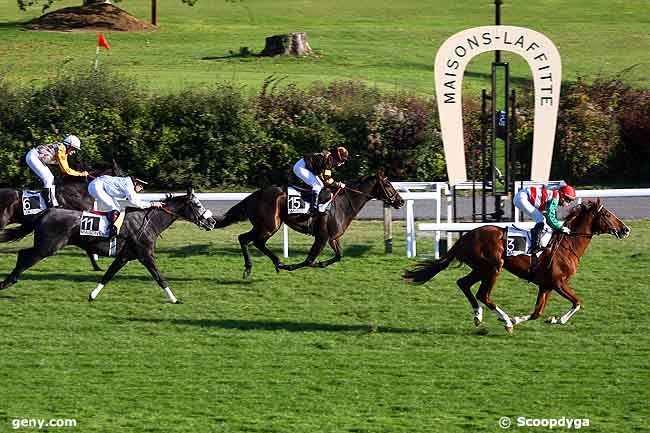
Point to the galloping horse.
(71, 193)
(58, 227)
(267, 210)
(484, 251)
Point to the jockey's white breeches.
(307, 176)
(523, 204)
(96, 189)
(41, 170)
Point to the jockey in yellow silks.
(40, 157)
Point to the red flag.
(101, 41)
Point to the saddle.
(519, 241)
(299, 200)
(305, 194)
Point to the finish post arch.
(544, 61)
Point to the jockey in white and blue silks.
(108, 189)
(540, 204)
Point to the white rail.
(410, 192)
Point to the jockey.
(54, 153)
(315, 169)
(107, 189)
(540, 203)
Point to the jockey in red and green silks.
(540, 204)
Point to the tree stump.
(295, 44)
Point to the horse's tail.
(235, 214)
(15, 234)
(423, 272)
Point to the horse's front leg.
(542, 299)
(567, 292)
(336, 246)
(113, 269)
(316, 249)
(149, 262)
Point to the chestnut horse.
(266, 209)
(484, 251)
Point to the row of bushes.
(224, 137)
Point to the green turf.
(346, 349)
(387, 43)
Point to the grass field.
(346, 349)
(390, 44)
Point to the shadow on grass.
(259, 325)
(94, 277)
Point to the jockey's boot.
(536, 238)
(50, 197)
(112, 217)
(313, 210)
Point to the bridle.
(388, 198)
(197, 216)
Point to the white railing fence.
(412, 192)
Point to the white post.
(410, 230)
(438, 211)
(285, 240)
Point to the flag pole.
(96, 58)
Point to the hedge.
(224, 137)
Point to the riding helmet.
(72, 141)
(342, 154)
(569, 192)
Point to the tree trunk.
(295, 44)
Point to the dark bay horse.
(57, 227)
(71, 192)
(266, 209)
(484, 251)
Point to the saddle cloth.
(33, 202)
(97, 224)
(299, 201)
(519, 242)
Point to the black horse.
(57, 227)
(267, 210)
(71, 193)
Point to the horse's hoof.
(90, 298)
(247, 273)
(510, 330)
(552, 320)
(477, 322)
(98, 269)
(279, 267)
(178, 301)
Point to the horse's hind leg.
(465, 283)
(567, 292)
(93, 261)
(260, 243)
(26, 259)
(483, 295)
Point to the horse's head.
(385, 192)
(190, 208)
(596, 218)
